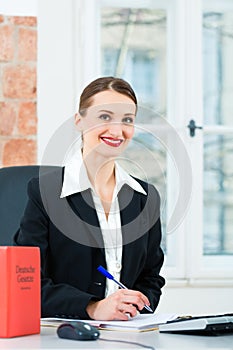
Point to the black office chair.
(13, 197)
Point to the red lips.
(110, 141)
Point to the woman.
(116, 221)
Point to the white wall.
(63, 37)
(56, 80)
(18, 7)
(196, 300)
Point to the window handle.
(192, 127)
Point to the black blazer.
(71, 245)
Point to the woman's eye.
(105, 117)
(128, 120)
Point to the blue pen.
(122, 286)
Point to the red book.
(19, 291)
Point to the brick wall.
(18, 117)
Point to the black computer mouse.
(78, 330)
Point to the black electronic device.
(78, 330)
(200, 325)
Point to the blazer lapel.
(133, 214)
(83, 206)
(133, 219)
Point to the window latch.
(192, 127)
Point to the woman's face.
(108, 124)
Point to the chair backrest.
(13, 197)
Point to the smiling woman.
(107, 128)
(109, 123)
(93, 213)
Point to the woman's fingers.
(128, 309)
(118, 305)
(110, 309)
(133, 297)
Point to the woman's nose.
(115, 129)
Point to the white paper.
(139, 322)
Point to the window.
(177, 57)
(133, 46)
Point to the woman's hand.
(118, 305)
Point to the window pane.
(218, 58)
(133, 47)
(145, 158)
(218, 194)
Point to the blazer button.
(98, 283)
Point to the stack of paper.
(139, 323)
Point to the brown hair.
(103, 84)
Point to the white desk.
(48, 340)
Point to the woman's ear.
(78, 121)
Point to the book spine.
(4, 290)
(19, 291)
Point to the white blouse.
(76, 180)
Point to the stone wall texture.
(18, 95)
